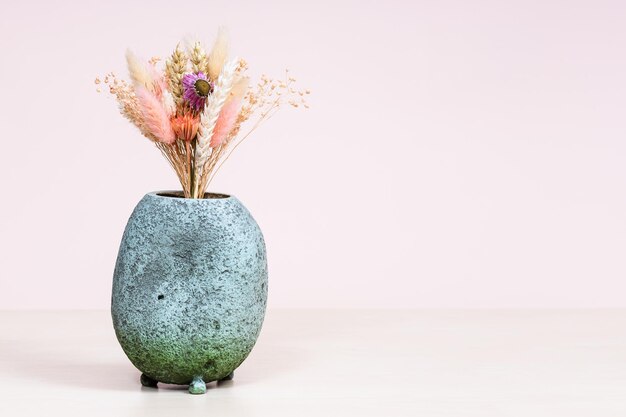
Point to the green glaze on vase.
(189, 288)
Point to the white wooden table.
(428, 363)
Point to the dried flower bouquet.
(193, 109)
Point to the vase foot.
(146, 381)
(229, 377)
(197, 386)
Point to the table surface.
(336, 363)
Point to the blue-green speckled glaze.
(189, 288)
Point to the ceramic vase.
(189, 288)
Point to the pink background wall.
(457, 154)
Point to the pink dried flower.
(185, 126)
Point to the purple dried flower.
(196, 88)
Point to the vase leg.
(146, 381)
(197, 386)
(229, 377)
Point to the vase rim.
(173, 194)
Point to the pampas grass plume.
(155, 118)
(219, 54)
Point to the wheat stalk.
(209, 117)
(175, 69)
(199, 59)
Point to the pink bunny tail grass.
(225, 122)
(155, 118)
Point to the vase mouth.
(181, 195)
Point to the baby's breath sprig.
(265, 100)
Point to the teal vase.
(189, 288)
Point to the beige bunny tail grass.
(139, 73)
(219, 54)
(240, 88)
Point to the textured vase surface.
(189, 288)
